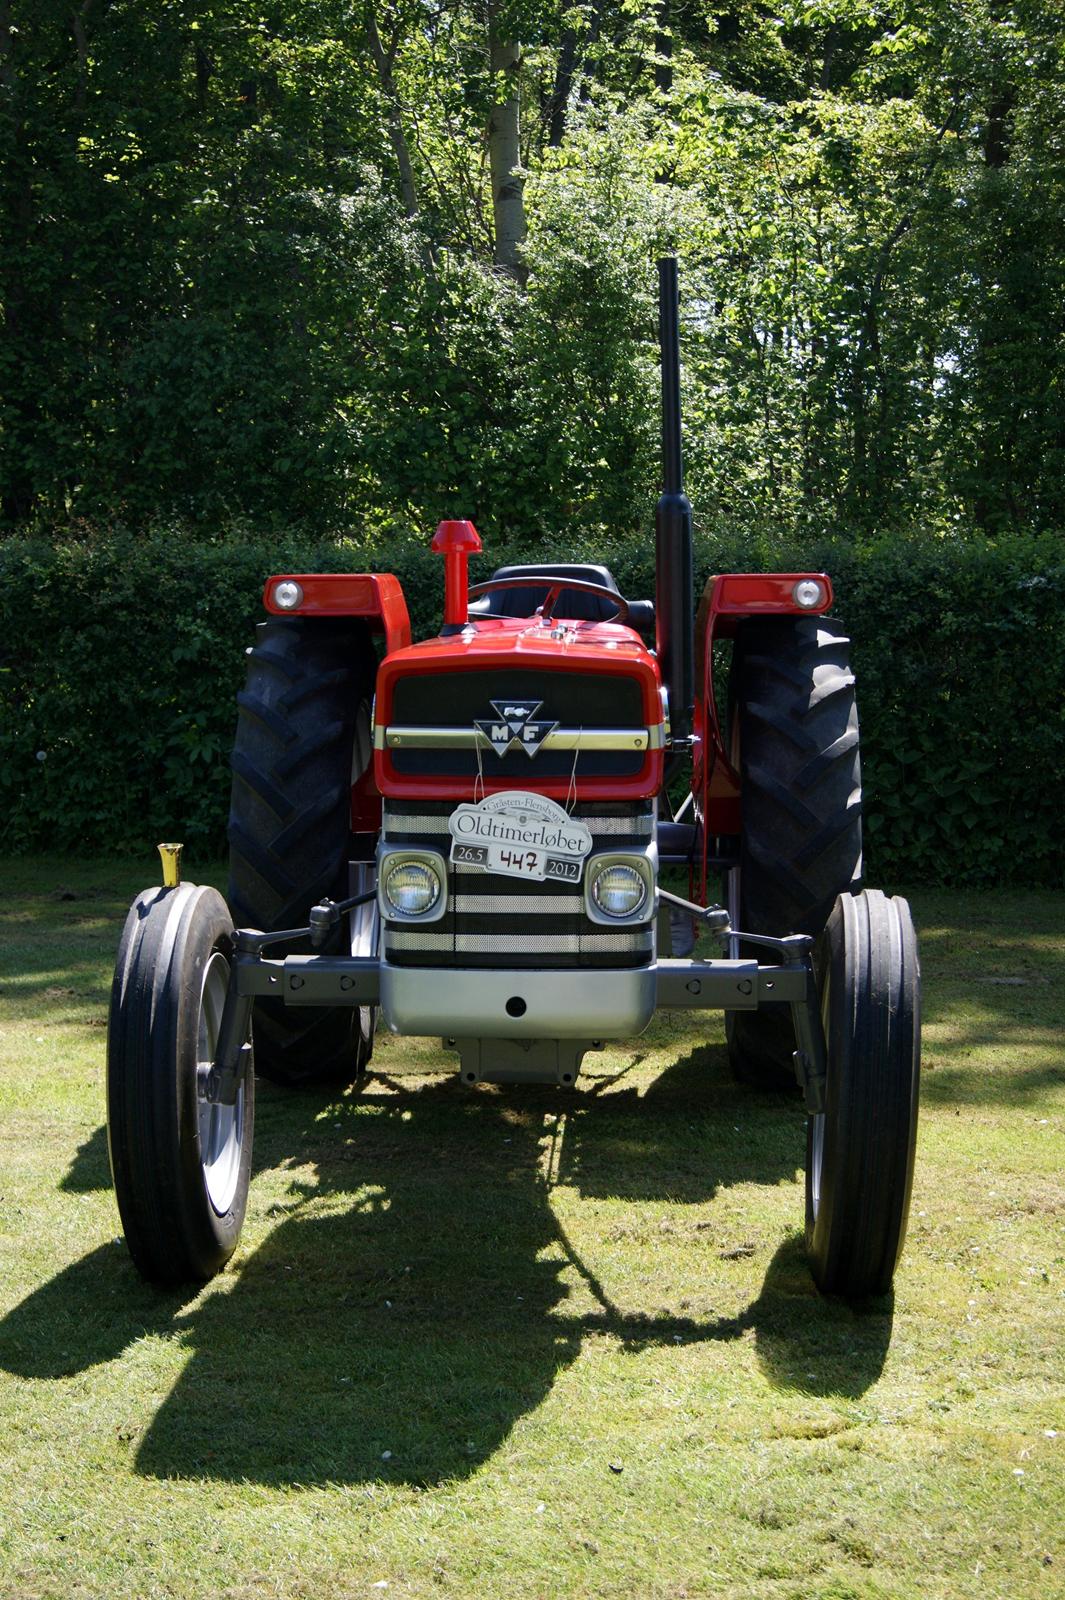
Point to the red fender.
(377, 596)
(726, 600)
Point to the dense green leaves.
(246, 262)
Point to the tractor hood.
(567, 709)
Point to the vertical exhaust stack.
(674, 592)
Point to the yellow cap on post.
(171, 858)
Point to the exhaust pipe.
(674, 584)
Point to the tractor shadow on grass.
(90, 1168)
(419, 1295)
(90, 1312)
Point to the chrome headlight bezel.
(645, 864)
(392, 856)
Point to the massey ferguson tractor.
(465, 837)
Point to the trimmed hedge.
(120, 659)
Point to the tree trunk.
(504, 152)
(663, 49)
(559, 102)
(998, 133)
(594, 29)
(383, 60)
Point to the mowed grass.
(526, 1342)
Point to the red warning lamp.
(456, 542)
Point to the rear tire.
(860, 1150)
(794, 731)
(181, 1167)
(303, 737)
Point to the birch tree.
(504, 143)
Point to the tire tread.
(792, 697)
(289, 822)
(171, 1229)
(873, 1036)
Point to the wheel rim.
(817, 1121)
(817, 1152)
(221, 1128)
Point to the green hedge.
(120, 658)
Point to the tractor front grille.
(576, 700)
(497, 921)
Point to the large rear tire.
(303, 737)
(181, 1166)
(860, 1150)
(794, 733)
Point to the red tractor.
(464, 837)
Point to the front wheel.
(181, 1166)
(860, 1149)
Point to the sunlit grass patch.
(526, 1342)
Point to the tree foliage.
(256, 262)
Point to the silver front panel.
(458, 1002)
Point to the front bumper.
(462, 1002)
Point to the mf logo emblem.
(515, 723)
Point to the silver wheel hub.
(817, 1155)
(221, 1128)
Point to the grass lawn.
(527, 1342)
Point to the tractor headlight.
(288, 594)
(618, 890)
(411, 888)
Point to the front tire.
(794, 729)
(860, 1149)
(181, 1167)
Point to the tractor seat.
(572, 604)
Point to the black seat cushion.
(522, 601)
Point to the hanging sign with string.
(521, 835)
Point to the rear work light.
(288, 594)
(808, 593)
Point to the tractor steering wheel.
(555, 585)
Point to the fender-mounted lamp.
(456, 542)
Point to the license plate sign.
(520, 835)
(517, 863)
